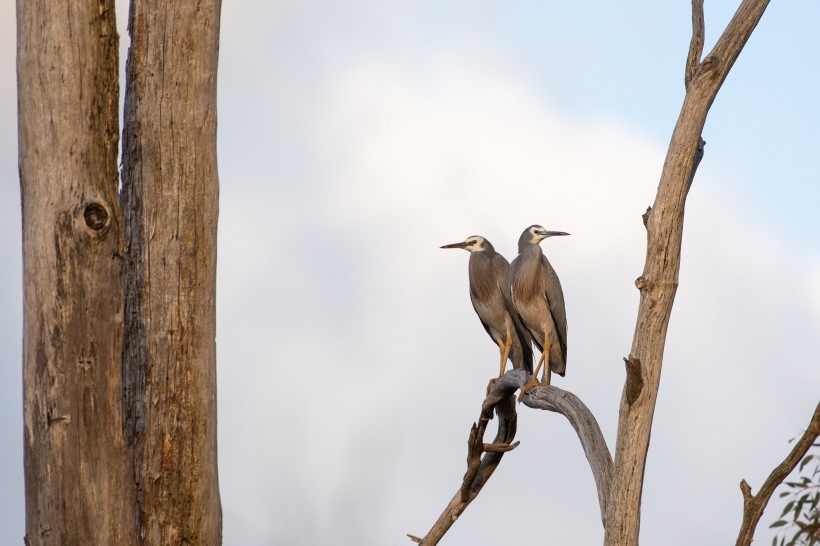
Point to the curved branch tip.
(501, 448)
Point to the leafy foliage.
(799, 523)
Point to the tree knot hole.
(96, 216)
(710, 67)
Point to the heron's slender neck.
(524, 245)
(530, 257)
(482, 277)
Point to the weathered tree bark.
(103, 412)
(753, 505)
(659, 280)
(169, 199)
(79, 485)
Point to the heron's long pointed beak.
(554, 233)
(462, 244)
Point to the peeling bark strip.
(78, 482)
(169, 196)
(660, 276)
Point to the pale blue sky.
(357, 137)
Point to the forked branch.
(753, 505)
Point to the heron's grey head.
(535, 234)
(473, 243)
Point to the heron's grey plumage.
(489, 292)
(539, 300)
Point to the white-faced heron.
(490, 294)
(539, 301)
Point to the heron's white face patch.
(537, 233)
(474, 243)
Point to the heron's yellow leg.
(533, 382)
(505, 351)
(543, 361)
(545, 380)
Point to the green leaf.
(778, 523)
(805, 461)
(789, 506)
(783, 494)
(799, 507)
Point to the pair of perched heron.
(520, 303)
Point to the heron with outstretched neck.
(538, 299)
(490, 293)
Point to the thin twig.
(753, 505)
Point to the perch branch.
(500, 398)
(479, 469)
(753, 505)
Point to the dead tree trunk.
(79, 485)
(119, 360)
(659, 280)
(170, 194)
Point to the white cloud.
(355, 293)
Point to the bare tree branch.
(736, 34)
(551, 398)
(696, 44)
(753, 505)
(479, 469)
